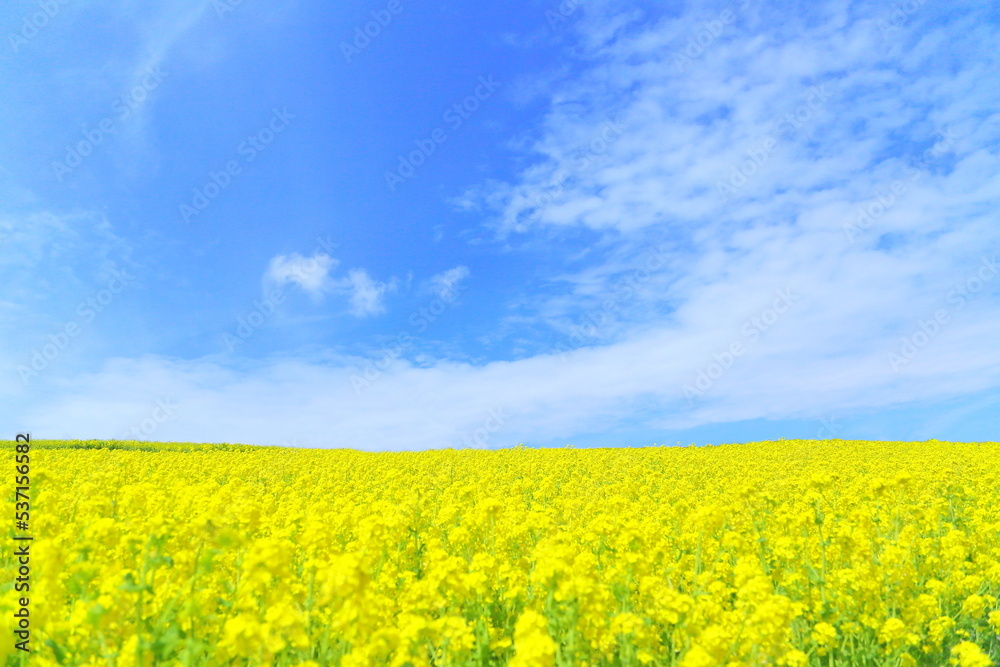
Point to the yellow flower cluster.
(787, 553)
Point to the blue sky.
(387, 225)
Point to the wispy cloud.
(445, 282)
(827, 154)
(366, 294)
(312, 274)
(49, 257)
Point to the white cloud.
(312, 274)
(444, 283)
(366, 294)
(542, 398)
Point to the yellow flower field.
(777, 553)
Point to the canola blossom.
(787, 553)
